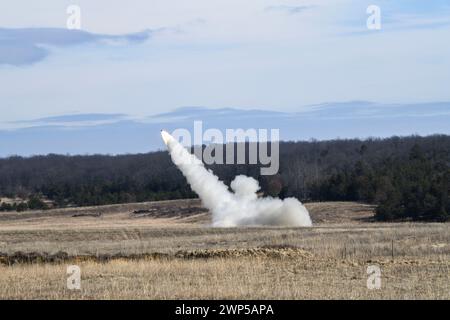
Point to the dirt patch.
(62, 257)
(192, 209)
(94, 215)
(340, 212)
(165, 210)
(239, 253)
(32, 257)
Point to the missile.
(166, 137)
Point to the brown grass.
(227, 278)
(171, 256)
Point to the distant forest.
(408, 178)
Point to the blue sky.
(146, 57)
(120, 133)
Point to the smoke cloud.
(242, 207)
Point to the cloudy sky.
(146, 57)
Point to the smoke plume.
(242, 207)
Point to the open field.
(167, 250)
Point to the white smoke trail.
(241, 207)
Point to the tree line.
(34, 203)
(408, 178)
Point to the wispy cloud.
(30, 45)
(289, 9)
(82, 117)
(403, 24)
(70, 120)
(117, 134)
(331, 110)
(415, 22)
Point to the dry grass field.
(167, 250)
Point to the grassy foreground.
(229, 278)
(124, 256)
